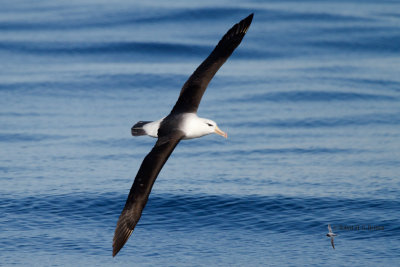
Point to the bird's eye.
(209, 124)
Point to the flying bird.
(181, 123)
(331, 235)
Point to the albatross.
(181, 123)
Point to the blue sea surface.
(310, 101)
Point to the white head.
(212, 127)
(197, 127)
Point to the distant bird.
(331, 235)
(181, 123)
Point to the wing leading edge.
(140, 191)
(194, 88)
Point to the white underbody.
(191, 125)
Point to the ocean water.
(310, 101)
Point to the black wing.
(140, 191)
(192, 91)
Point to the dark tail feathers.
(137, 129)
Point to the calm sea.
(310, 101)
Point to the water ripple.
(314, 96)
(28, 137)
(344, 121)
(186, 212)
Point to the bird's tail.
(137, 129)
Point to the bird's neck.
(193, 126)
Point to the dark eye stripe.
(209, 124)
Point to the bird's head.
(212, 127)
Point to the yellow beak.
(221, 133)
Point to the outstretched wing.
(194, 88)
(329, 228)
(333, 244)
(140, 191)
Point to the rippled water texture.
(310, 101)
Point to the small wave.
(344, 121)
(109, 142)
(180, 212)
(315, 96)
(158, 48)
(149, 51)
(274, 15)
(104, 19)
(276, 151)
(85, 85)
(25, 114)
(198, 14)
(383, 44)
(373, 83)
(354, 30)
(25, 137)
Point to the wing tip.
(246, 22)
(249, 18)
(234, 35)
(241, 28)
(120, 239)
(121, 235)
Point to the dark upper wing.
(137, 199)
(192, 91)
